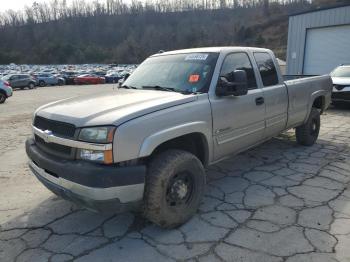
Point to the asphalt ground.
(277, 202)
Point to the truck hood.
(111, 108)
(344, 81)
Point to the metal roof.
(320, 9)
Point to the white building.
(318, 41)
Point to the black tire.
(60, 82)
(307, 133)
(31, 86)
(42, 83)
(167, 203)
(2, 98)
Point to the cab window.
(266, 68)
(238, 61)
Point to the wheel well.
(319, 103)
(3, 92)
(194, 143)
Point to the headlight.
(105, 157)
(103, 134)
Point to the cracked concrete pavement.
(277, 202)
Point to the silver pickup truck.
(145, 146)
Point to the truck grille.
(54, 149)
(58, 128)
(341, 95)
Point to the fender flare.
(151, 142)
(314, 96)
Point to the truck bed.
(301, 92)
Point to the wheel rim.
(180, 189)
(314, 127)
(2, 98)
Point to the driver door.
(238, 121)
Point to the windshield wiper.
(161, 88)
(170, 89)
(128, 87)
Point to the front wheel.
(2, 98)
(175, 185)
(307, 133)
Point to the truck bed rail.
(292, 77)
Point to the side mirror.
(237, 88)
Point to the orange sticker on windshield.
(193, 78)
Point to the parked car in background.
(69, 77)
(113, 77)
(44, 79)
(89, 79)
(98, 73)
(5, 91)
(20, 81)
(341, 85)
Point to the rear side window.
(266, 68)
(238, 61)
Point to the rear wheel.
(2, 98)
(31, 86)
(307, 133)
(42, 83)
(174, 188)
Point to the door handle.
(259, 101)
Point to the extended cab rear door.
(238, 121)
(275, 93)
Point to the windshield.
(189, 72)
(341, 72)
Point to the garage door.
(326, 48)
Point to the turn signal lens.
(105, 157)
(108, 157)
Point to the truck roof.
(217, 49)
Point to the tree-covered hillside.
(118, 33)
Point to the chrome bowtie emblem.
(47, 134)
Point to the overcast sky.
(19, 4)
